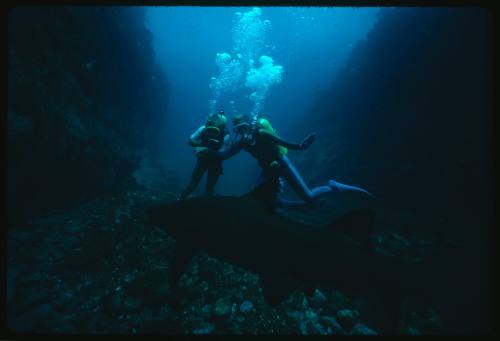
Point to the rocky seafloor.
(99, 269)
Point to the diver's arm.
(227, 152)
(195, 138)
(293, 146)
(226, 144)
(194, 143)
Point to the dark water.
(102, 101)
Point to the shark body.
(289, 255)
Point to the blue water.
(310, 44)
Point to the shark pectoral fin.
(357, 224)
(276, 289)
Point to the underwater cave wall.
(409, 117)
(85, 98)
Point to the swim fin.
(343, 187)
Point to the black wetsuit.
(268, 149)
(205, 163)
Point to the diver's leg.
(213, 173)
(288, 203)
(267, 188)
(292, 176)
(198, 172)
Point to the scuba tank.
(260, 122)
(213, 134)
(212, 137)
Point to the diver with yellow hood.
(211, 136)
(256, 135)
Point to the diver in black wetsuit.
(211, 136)
(256, 136)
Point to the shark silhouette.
(289, 255)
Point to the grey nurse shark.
(289, 255)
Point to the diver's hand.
(207, 152)
(246, 139)
(307, 141)
(213, 143)
(201, 151)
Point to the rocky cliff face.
(409, 117)
(85, 99)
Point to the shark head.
(201, 218)
(169, 217)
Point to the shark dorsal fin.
(357, 224)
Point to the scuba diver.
(256, 136)
(211, 136)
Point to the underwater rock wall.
(409, 117)
(85, 99)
